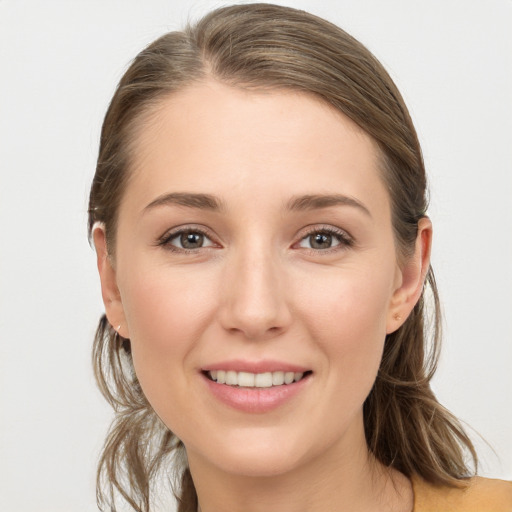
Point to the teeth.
(278, 378)
(231, 378)
(254, 380)
(246, 379)
(263, 380)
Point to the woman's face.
(255, 244)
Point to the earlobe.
(413, 275)
(109, 289)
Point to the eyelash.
(344, 239)
(165, 240)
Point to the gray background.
(59, 63)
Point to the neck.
(345, 478)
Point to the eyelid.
(164, 240)
(345, 238)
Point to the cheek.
(347, 318)
(165, 305)
(166, 311)
(349, 303)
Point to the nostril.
(251, 331)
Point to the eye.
(324, 239)
(186, 240)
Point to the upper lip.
(263, 366)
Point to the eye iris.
(191, 240)
(320, 241)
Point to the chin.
(253, 453)
(260, 464)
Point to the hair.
(262, 47)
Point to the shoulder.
(474, 495)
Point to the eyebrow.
(189, 200)
(298, 203)
(318, 201)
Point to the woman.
(259, 216)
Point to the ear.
(411, 278)
(109, 290)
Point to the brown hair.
(262, 46)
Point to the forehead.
(232, 142)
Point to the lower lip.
(256, 400)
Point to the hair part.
(267, 47)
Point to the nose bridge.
(254, 303)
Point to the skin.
(257, 289)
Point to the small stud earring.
(397, 317)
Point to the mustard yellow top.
(477, 495)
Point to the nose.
(254, 302)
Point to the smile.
(255, 380)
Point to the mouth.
(255, 380)
(256, 386)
